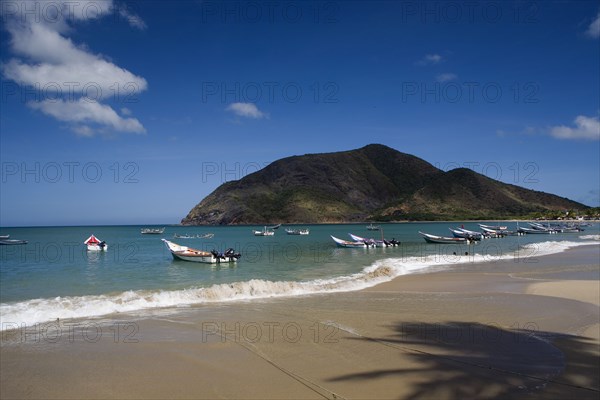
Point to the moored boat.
(303, 231)
(7, 242)
(95, 244)
(152, 231)
(186, 253)
(265, 232)
(375, 242)
(466, 234)
(444, 240)
(372, 227)
(178, 236)
(4, 237)
(346, 243)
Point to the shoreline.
(299, 223)
(370, 278)
(487, 330)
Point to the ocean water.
(53, 276)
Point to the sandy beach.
(500, 329)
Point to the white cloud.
(446, 77)
(60, 66)
(125, 111)
(82, 112)
(430, 59)
(247, 110)
(73, 76)
(593, 30)
(585, 128)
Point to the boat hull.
(8, 242)
(185, 253)
(444, 240)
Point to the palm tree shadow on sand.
(459, 360)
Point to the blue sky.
(132, 112)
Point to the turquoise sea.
(53, 276)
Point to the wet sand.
(500, 329)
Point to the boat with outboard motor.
(429, 238)
(95, 244)
(186, 253)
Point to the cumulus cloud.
(247, 110)
(52, 63)
(83, 112)
(593, 30)
(430, 59)
(446, 77)
(585, 128)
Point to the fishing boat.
(444, 240)
(152, 231)
(178, 236)
(95, 244)
(495, 227)
(346, 243)
(375, 242)
(303, 231)
(274, 227)
(205, 236)
(466, 234)
(8, 242)
(372, 227)
(4, 237)
(534, 231)
(186, 253)
(264, 232)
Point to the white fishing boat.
(205, 236)
(372, 227)
(95, 244)
(152, 231)
(375, 242)
(265, 232)
(466, 234)
(445, 240)
(178, 236)
(303, 231)
(7, 242)
(186, 253)
(346, 243)
(4, 237)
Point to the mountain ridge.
(374, 182)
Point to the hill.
(373, 182)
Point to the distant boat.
(178, 236)
(495, 227)
(152, 231)
(303, 231)
(444, 240)
(4, 237)
(346, 243)
(274, 227)
(188, 254)
(206, 236)
(372, 227)
(7, 242)
(94, 244)
(264, 232)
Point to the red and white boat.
(95, 244)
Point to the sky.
(115, 112)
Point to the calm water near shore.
(53, 276)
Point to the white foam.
(35, 311)
(590, 237)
